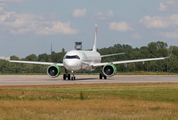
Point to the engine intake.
(53, 71)
(109, 70)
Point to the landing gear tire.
(64, 77)
(72, 78)
(68, 76)
(100, 76)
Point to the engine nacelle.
(53, 71)
(109, 70)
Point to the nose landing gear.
(73, 77)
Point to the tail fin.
(94, 46)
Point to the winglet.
(170, 54)
(94, 45)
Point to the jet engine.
(109, 70)
(53, 71)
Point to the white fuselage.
(79, 60)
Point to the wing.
(39, 63)
(112, 54)
(127, 61)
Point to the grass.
(102, 101)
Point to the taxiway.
(10, 80)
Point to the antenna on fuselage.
(94, 45)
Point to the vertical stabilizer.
(94, 45)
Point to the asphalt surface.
(10, 80)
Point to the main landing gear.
(102, 75)
(66, 75)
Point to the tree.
(161, 44)
(31, 57)
(63, 50)
(152, 47)
(14, 57)
(44, 58)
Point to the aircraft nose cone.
(72, 65)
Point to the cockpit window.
(72, 57)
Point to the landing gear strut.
(102, 75)
(73, 77)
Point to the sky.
(31, 26)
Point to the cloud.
(162, 7)
(96, 15)
(2, 6)
(79, 12)
(172, 35)
(170, 2)
(1, 9)
(136, 36)
(34, 23)
(169, 5)
(121, 26)
(57, 27)
(109, 13)
(160, 22)
(103, 16)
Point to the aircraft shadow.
(85, 79)
(72, 80)
(51, 79)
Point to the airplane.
(82, 60)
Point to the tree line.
(152, 50)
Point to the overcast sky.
(30, 26)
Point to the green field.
(150, 101)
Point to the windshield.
(72, 57)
